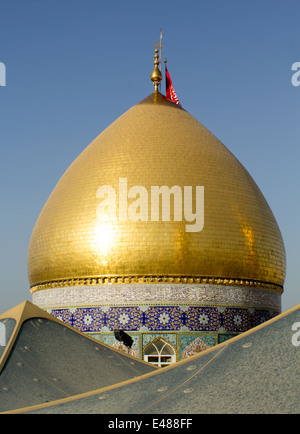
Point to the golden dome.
(156, 143)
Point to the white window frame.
(159, 359)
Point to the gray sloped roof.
(256, 372)
(45, 360)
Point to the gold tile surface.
(156, 143)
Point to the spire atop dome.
(156, 76)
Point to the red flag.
(170, 92)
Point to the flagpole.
(158, 46)
(160, 50)
(165, 75)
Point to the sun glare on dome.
(104, 238)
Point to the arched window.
(159, 353)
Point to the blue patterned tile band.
(163, 318)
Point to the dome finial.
(156, 75)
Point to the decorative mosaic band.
(163, 318)
(185, 344)
(138, 279)
(158, 294)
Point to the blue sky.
(73, 67)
